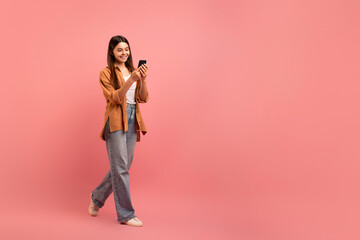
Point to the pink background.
(253, 119)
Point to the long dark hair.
(111, 59)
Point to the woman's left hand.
(143, 71)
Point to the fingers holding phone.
(143, 70)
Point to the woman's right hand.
(135, 75)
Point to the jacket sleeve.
(143, 101)
(108, 90)
(139, 100)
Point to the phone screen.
(141, 62)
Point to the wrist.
(132, 80)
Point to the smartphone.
(141, 62)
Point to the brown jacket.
(116, 107)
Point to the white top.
(130, 94)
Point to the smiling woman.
(124, 87)
(123, 51)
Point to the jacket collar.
(120, 77)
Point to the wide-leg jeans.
(120, 147)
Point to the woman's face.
(121, 52)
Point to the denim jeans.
(120, 147)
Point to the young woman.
(124, 87)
